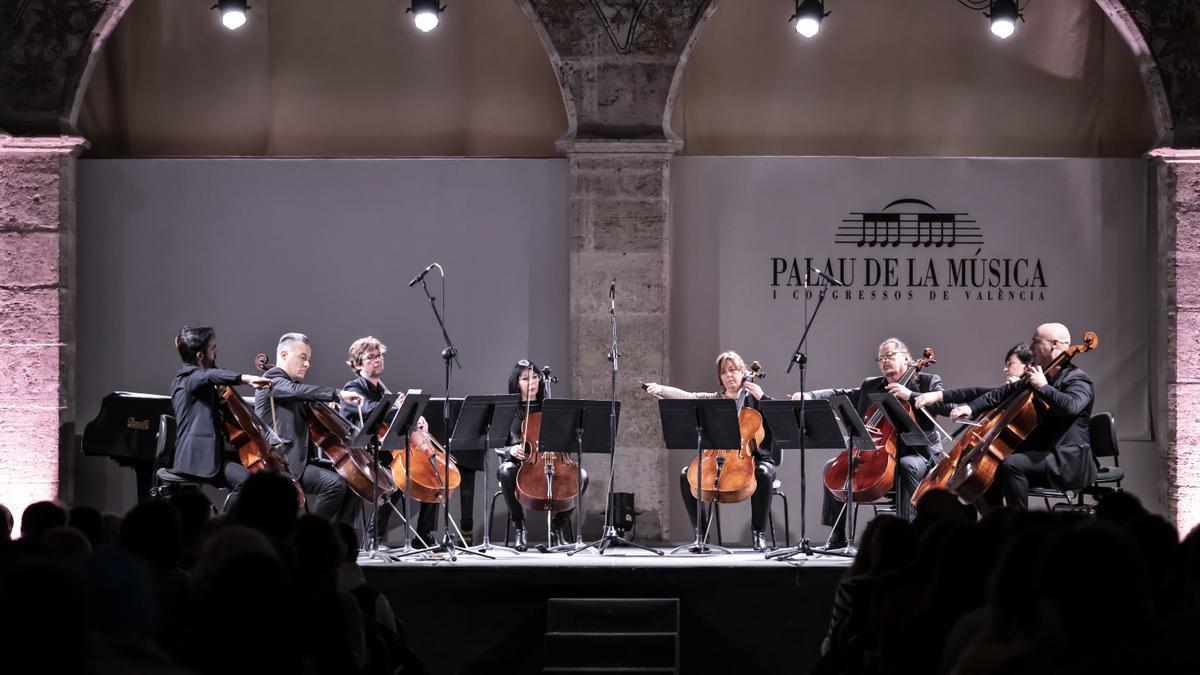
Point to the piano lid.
(126, 426)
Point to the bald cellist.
(201, 449)
(1058, 453)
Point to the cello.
(546, 481)
(874, 470)
(981, 450)
(733, 474)
(254, 441)
(428, 464)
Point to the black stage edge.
(744, 615)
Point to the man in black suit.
(912, 463)
(285, 408)
(1058, 453)
(201, 449)
(366, 360)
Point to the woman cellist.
(526, 379)
(732, 380)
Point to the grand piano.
(126, 431)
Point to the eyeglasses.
(884, 357)
(524, 363)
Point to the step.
(612, 614)
(605, 650)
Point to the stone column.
(1178, 342)
(37, 316)
(620, 216)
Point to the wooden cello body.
(546, 481)
(364, 477)
(728, 476)
(874, 470)
(254, 441)
(428, 460)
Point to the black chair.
(787, 525)
(167, 482)
(1102, 433)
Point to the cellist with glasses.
(733, 382)
(894, 360)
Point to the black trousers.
(760, 501)
(1017, 473)
(507, 475)
(330, 497)
(910, 470)
(426, 517)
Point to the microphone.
(421, 275)
(827, 277)
(612, 294)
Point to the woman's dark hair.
(193, 340)
(1023, 353)
(514, 378)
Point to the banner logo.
(911, 224)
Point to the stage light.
(425, 14)
(1004, 15)
(808, 16)
(233, 13)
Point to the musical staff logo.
(916, 228)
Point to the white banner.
(967, 256)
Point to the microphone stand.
(449, 358)
(799, 358)
(610, 535)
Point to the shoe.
(428, 538)
(468, 537)
(758, 540)
(520, 544)
(557, 538)
(836, 542)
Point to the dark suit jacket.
(291, 412)
(1064, 407)
(199, 438)
(954, 397)
(371, 393)
(861, 397)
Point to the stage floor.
(738, 613)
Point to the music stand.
(857, 437)
(402, 423)
(704, 424)
(821, 430)
(906, 427)
(484, 422)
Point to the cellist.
(284, 408)
(201, 449)
(731, 381)
(526, 380)
(911, 463)
(366, 359)
(1058, 453)
(1016, 361)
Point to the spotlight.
(1004, 15)
(233, 13)
(425, 14)
(808, 16)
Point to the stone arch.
(90, 52)
(1127, 27)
